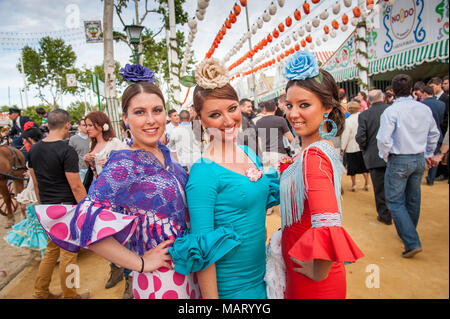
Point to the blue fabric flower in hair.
(137, 73)
(302, 65)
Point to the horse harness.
(14, 168)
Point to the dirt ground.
(381, 274)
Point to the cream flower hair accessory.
(209, 74)
(105, 127)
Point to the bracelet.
(142, 267)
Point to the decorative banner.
(93, 30)
(71, 80)
(344, 57)
(410, 23)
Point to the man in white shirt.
(183, 142)
(174, 119)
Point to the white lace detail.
(325, 220)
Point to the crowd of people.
(177, 202)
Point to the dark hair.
(428, 90)
(436, 80)
(57, 119)
(402, 85)
(241, 102)
(445, 78)
(82, 119)
(388, 88)
(184, 115)
(98, 118)
(201, 94)
(41, 111)
(281, 98)
(328, 94)
(137, 88)
(171, 111)
(32, 133)
(269, 106)
(364, 95)
(418, 85)
(124, 128)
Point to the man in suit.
(17, 127)
(438, 109)
(436, 84)
(368, 125)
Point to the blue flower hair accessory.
(137, 73)
(303, 65)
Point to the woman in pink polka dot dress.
(137, 198)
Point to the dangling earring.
(129, 139)
(330, 135)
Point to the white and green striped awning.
(437, 51)
(346, 74)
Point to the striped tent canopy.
(437, 51)
(323, 56)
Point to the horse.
(12, 167)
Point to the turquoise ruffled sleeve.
(274, 188)
(194, 252)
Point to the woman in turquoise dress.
(227, 196)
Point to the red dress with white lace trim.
(319, 235)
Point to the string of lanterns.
(308, 39)
(202, 5)
(232, 18)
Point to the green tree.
(76, 111)
(46, 68)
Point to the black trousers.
(377, 176)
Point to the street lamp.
(134, 37)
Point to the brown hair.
(353, 107)
(137, 88)
(200, 95)
(328, 94)
(98, 118)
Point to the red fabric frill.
(329, 243)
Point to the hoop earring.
(330, 135)
(129, 140)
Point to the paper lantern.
(266, 16)
(309, 38)
(282, 44)
(272, 9)
(315, 22)
(315, 1)
(275, 33)
(278, 59)
(345, 19)
(254, 28)
(281, 3)
(336, 8)
(301, 31)
(335, 24)
(333, 34)
(326, 29)
(291, 50)
(297, 15)
(369, 4)
(192, 24)
(243, 3)
(237, 9)
(324, 14)
(356, 12)
(294, 36)
(297, 47)
(303, 43)
(281, 27)
(348, 3)
(269, 38)
(287, 41)
(318, 43)
(228, 24)
(288, 21)
(344, 28)
(232, 17)
(260, 22)
(199, 15)
(324, 38)
(282, 55)
(306, 7)
(308, 26)
(354, 22)
(202, 4)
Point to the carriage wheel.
(14, 204)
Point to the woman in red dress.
(315, 246)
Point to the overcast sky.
(34, 16)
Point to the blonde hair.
(353, 107)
